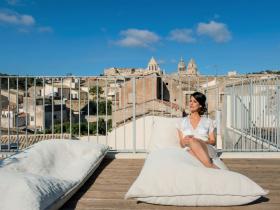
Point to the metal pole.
(70, 110)
(79, 95)
(242, 111)
(26, 113)
(161, 78)
(88, 110)
(35, 121)
(106, 108)
(115, 108)
(250, 112)
(144, 109)
(52, 109)
(134, 115)
(97, 105)
(124, 103)
(17, 118)
(267, 113)
(9, 114)
(0, 113)
(278, 114)
(171, 99)
(61, 109)
(44, 107)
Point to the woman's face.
(194, 105)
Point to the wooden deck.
(107, 187)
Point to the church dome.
(192, 67)
(153, 65)
(181, 66)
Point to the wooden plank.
(128, 204)
(106, 189)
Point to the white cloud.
(13, 2)
(137, 38)
(217, 31)
(9, 17)
(181, 35)
(45, 29)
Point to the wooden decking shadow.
(258, 201)
(72, 202)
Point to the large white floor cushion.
(164, 135)
(42, 173)
(29, 191)
(172, 177)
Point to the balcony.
(245, 110)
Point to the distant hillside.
(1, 74)
(267, 72)
(21, 82)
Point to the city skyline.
(86, 37)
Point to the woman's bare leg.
(199, 150)
(191, 152)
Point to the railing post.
(278, 114)
(17, 115)
(134, 114)
(0, 114)
(9, 114)
(97, 108)
(106, 108)
(218, 124)
(250, 111)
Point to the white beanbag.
(173, 177)
(62, 159)
(29, 191)
(42, 173)
(164, 135)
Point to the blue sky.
(56, 37)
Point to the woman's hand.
(186, 140)
(181, 138)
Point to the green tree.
(84, 127)
(101, 107)
(93, 91)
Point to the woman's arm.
(180, 135)
(184, 140)
(211, 139)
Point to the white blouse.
(204, 127)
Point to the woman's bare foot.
(214, 166)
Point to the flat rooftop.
(108, 185)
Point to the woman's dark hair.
(201, 99)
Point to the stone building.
(10, 119)
(41, 115)
(192, 68)
(153, 67)
(13, 94)
(153, 94)
(182, 69)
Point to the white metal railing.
(251, 113)
(119, 110)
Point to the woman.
(197, 131)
